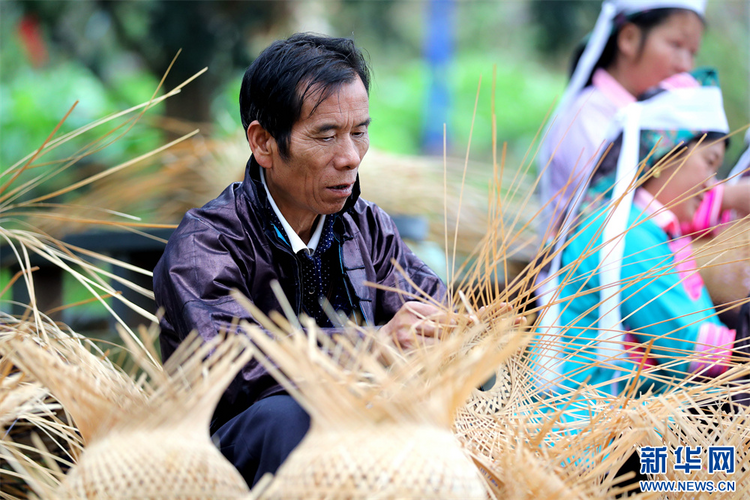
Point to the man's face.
(325, 150)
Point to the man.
(297, 219)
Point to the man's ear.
(629, 41)
(262, 144)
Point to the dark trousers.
(259, 439)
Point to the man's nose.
(348, 156)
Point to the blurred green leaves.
(34, 99)
(524, 93)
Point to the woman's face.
(681, 183)
(668, 49)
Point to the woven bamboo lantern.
(378, 431)
(143, 440)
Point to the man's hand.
(416, 323)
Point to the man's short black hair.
(288, 71)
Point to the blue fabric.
(259, 439)
(655, 306)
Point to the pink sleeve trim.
(714, 349)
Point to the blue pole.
(438, 51)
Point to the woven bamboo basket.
(175, 463)
(526, 453)
(378, 430)
(393, 460)
(143, 439)
(695, 417)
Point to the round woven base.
(153, 465)
(387, 461)
(492, 400)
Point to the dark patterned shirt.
(321, 273)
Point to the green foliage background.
(528, 41)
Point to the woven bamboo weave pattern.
(494, 399)
(172, 464)
(145, 439)
(391, 461)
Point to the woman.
(635, 45)
(645, 283)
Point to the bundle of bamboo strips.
(41, 356)
(28, 222)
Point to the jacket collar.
(257, 194)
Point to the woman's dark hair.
(646, 21)
(608, 164)
(288, 71)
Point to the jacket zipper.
(279, 245)
(348, 284)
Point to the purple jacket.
(229, 243)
